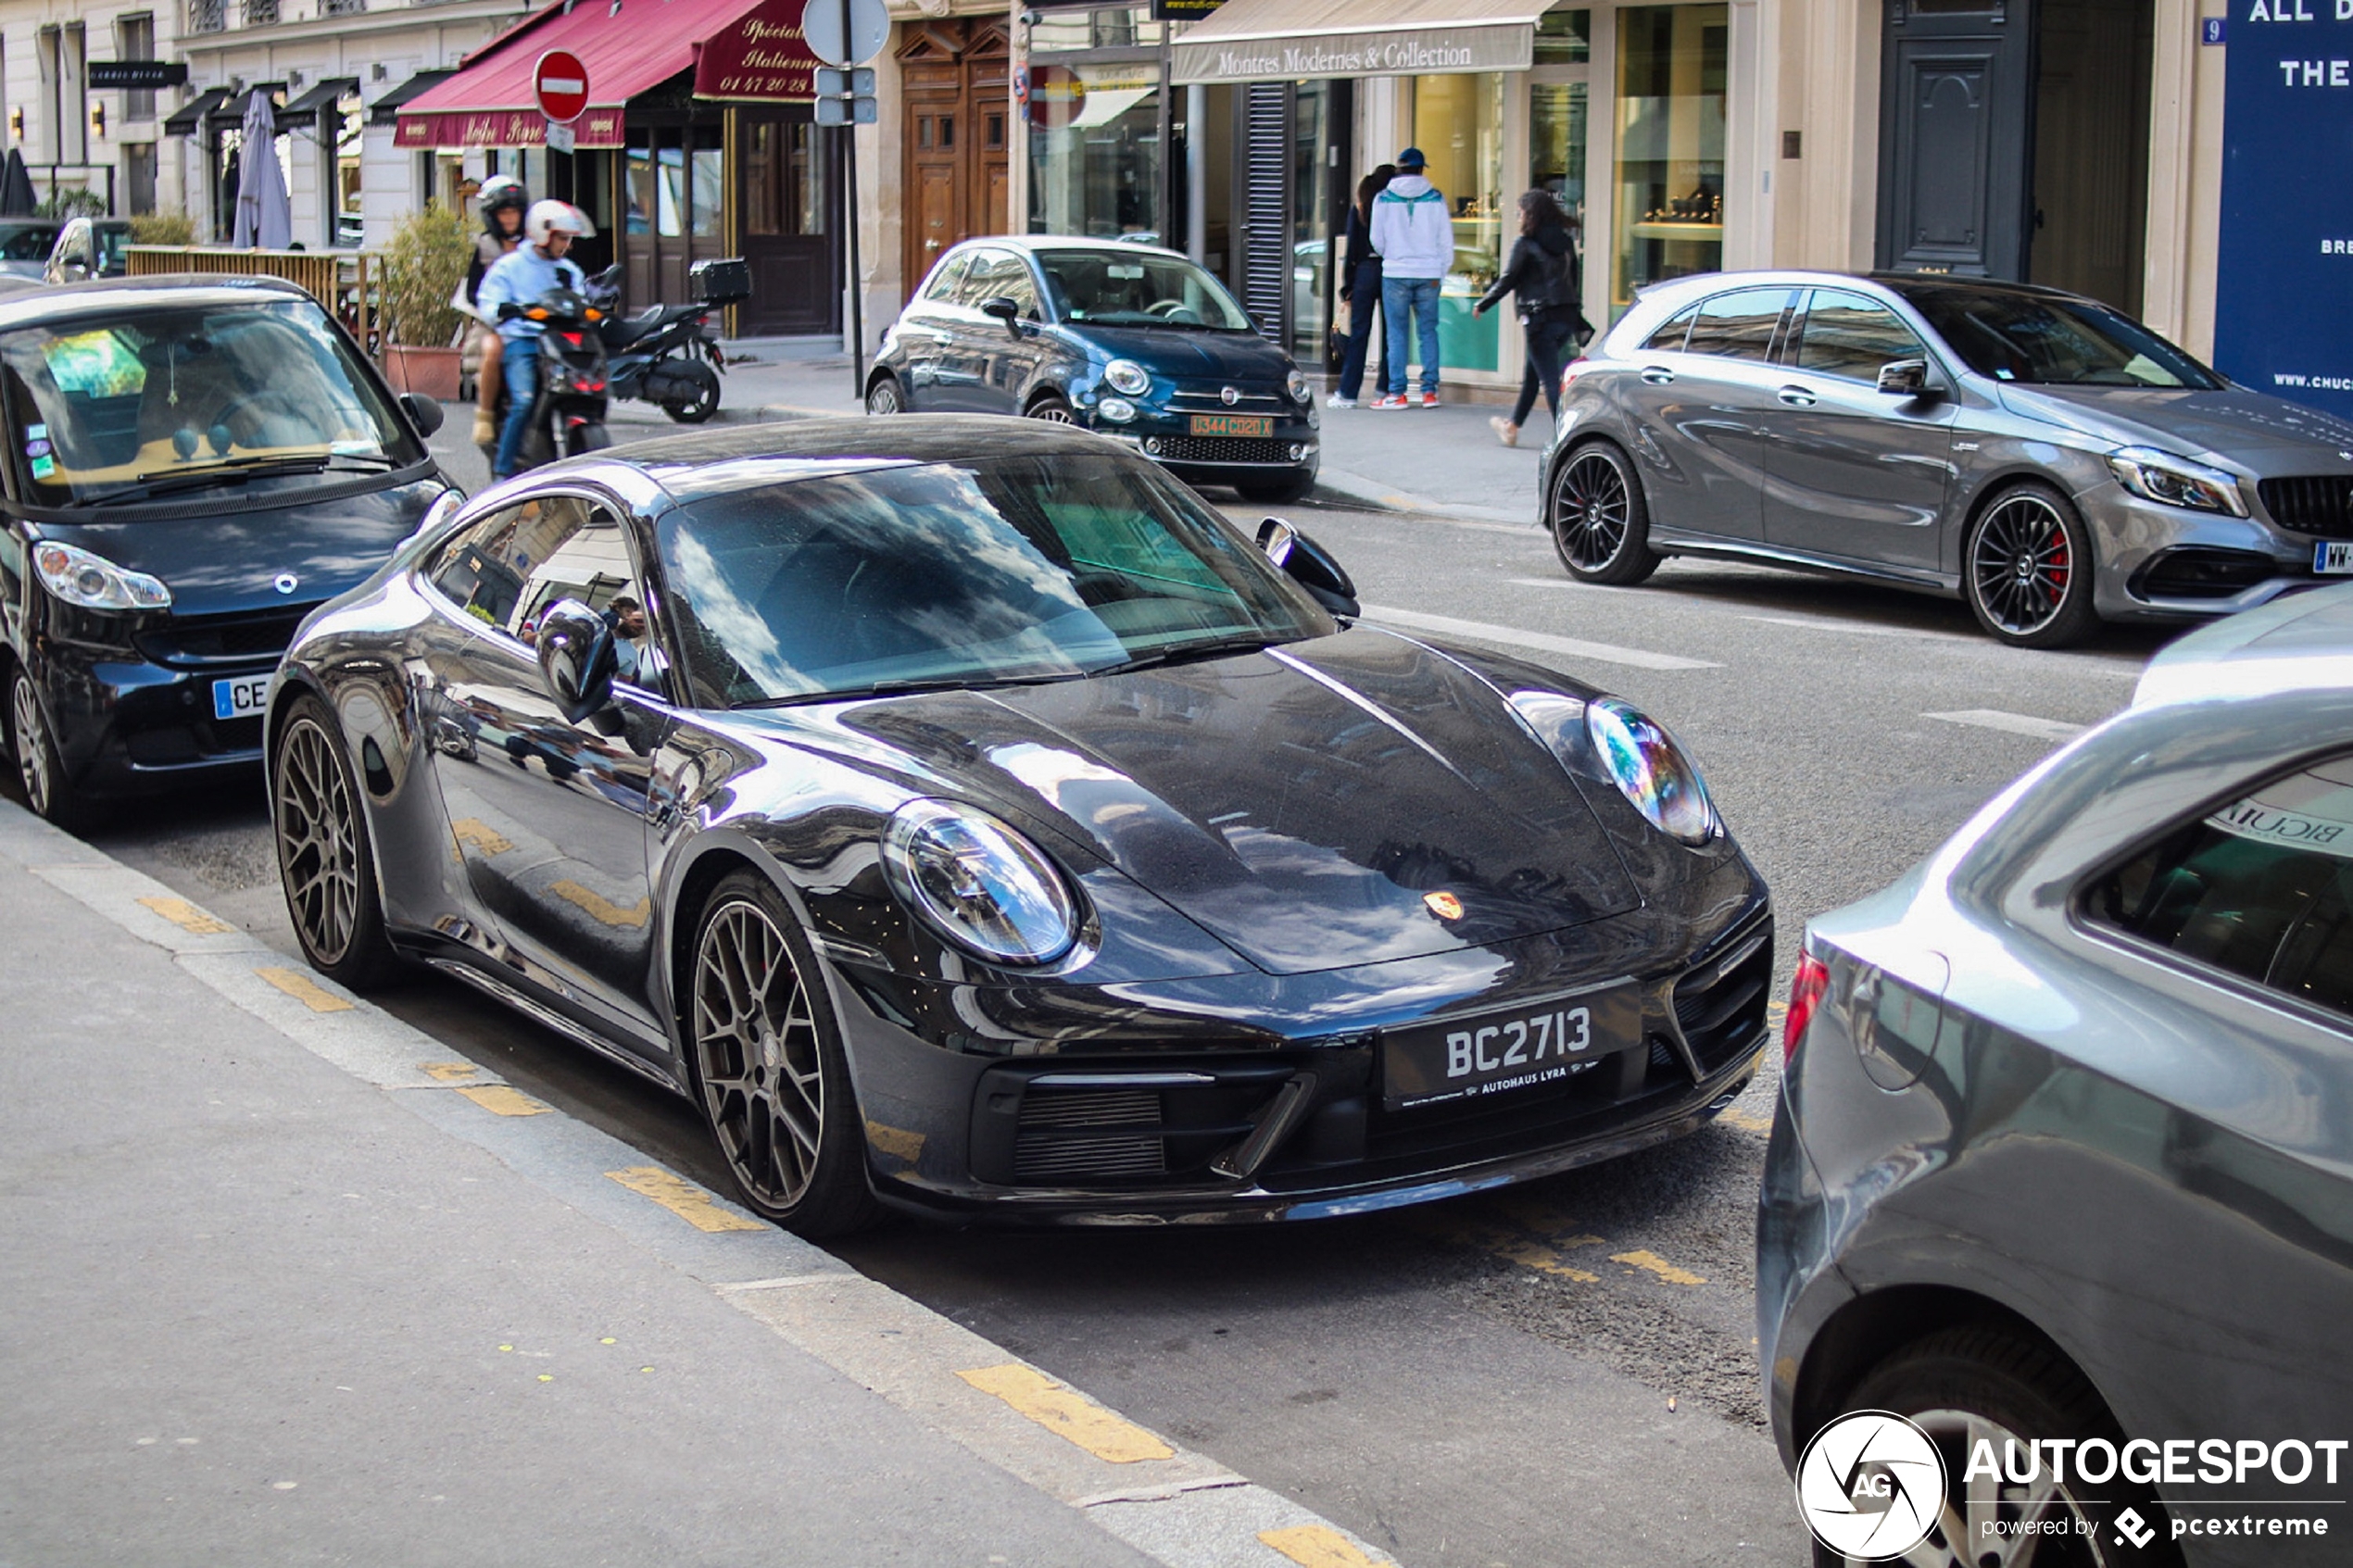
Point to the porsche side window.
(2262, 888)
(1739, 325)
(1670, 338)
(1848, 335)
(509, 568)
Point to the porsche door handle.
(1797, 397)
(1658, 375)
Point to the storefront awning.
(754, 47)
(384, 111)
(184, 119)
(1286, 39)
(323, 94)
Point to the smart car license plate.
(1232, 424)
(2334, 557)
(1525, 1047)
(239, 699)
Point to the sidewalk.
(287, 1282)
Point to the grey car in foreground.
(2064, 1149)
(2048, 459)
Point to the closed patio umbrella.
(264, 218)
(16, 199)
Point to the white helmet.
(547, 217)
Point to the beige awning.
(1286, 40)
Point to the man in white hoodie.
(1415, 235)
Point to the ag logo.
(1870, 1485)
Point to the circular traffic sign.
(560, 83)
(845, 32)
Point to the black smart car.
(1130, 341)
(192, 466)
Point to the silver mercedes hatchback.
(2048, 459)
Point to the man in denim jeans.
(1415, 235)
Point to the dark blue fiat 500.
(1132, 341)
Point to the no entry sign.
(560, 82)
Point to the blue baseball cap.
(1412, 159)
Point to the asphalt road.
(1563, 1374)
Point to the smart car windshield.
(957, 574)
(2049, 342)
(1137, 289)
(145, 403)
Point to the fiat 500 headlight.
(1299, 389)
(1126, 376)
(979, 884)
(1650, 771)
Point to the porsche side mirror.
(1905, 378)
(1311, 566)
(1005, 310)
(576, 658)
(423, 412)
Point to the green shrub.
(74, 201)
(163, 229)
(422, 267)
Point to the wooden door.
(957, 135)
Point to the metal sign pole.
(849, 184)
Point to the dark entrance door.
(786, 190)
(1957, 108)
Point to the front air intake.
(1086, 1134)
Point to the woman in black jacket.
(1543, 272)
(1360, 286)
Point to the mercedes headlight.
(1650, 771)
(95, 582)
(1298, 388)
(1126, 376)
(979, 884)
(2176, 482)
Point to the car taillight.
(1805, 988)
(572, 338)
(1568, 372)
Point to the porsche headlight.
(93, 582)
(2176, 482)
(1298, 388)
(979, 884)
(1126, 376)
(1650, 771)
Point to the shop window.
(1672, 65)
(1095, 149)
(1565, 38)
(784, 181)
(1458, 124)
(707, 193)
(135, 40)
(1113, 27)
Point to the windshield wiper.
(167, 481)
(1206, 648)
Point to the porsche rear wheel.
(1599, 521)
(769, 1068)
(326, 863)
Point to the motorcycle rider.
(502, 201)
(518, 277)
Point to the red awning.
(628, 48)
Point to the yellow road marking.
(481, 835)
(500, 1100)
(1776, 1014)
(448, 1072)
(1320, 1546)
(304, 989)
(1535, 1255)
(1068, 1413)
(1658, 1266)
(682, 1199)
(187, 917)
(896, 1141)
(601, 908)
(1748, 1119)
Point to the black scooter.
(568, 411)
(663, 355)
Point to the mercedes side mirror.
(1905, 378)
(576, 658)
(424, 412)
(1311, 566)
(1005, 310)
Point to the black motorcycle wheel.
(705, 401)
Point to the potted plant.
(421, 270)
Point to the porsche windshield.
(169, 401)
(1117, 287)
(950, 574)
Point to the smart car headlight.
(1126, 376)
(1650, 771)
(93, 582)
(979, 884)
(2176, 482)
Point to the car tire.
(1053, 410)
(326, 855)
(884, 397)
(41, 768)
(1966, 1384)
(767, 1063)
(705, 402)
(1276, 492)
(1598, 518)
(2027, 570)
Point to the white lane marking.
(1513, 637)
(1863, 628)
(2013, 723)
(1569, 584)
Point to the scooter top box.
(721, 282)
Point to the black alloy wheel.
(2028, 570)
(768, 1064)
(326, 863)
(1965, 1385)
(1053, 410)
(40, 768)
(1598, 520)
(705, 401)
(882, 397)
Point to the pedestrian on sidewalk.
(1544, 275)
(1414, 236)
(1360, 290)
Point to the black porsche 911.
(968, 819)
